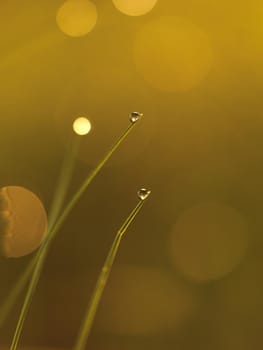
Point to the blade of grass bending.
(64, 180)
(29, 295)
(86, 183)
(61, 190)
(102, 280)
(15, 292)
(44, 247)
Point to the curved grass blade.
(40, 258)
(102, 280)
(58, 200)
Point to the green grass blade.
(59, 196)
(35, 264)
(102, 280)
(64, 180)
(44, 247)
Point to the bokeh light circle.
(172, 54)
(134, 7)
(77, 18)
(81, 126)
(23, 221)
(208, 241)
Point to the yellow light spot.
(23, 221)
(77, 17)
(134, 7)
(82, 126)
(208, 241)
(172, 54)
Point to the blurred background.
(189, 271)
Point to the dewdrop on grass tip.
(143, 194)
(135, 116)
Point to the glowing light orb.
(134, 7)
(172, 54)
(77, 17)
(82, 126)
(23, 221)
(208, 241)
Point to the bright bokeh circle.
(81, 126)
(77, 18)
(172, 54)
(134, 7)
(23, 221)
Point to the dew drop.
(135, 116)
(143, 193)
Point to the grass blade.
(102, 280)
(58, 200)
(40, 257)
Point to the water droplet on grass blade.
(135, 116)
(143, 193)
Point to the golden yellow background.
(195, 69)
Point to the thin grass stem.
(44, 247)
(65, 177)
(58, 200)
(102, 280)
(28, 299)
